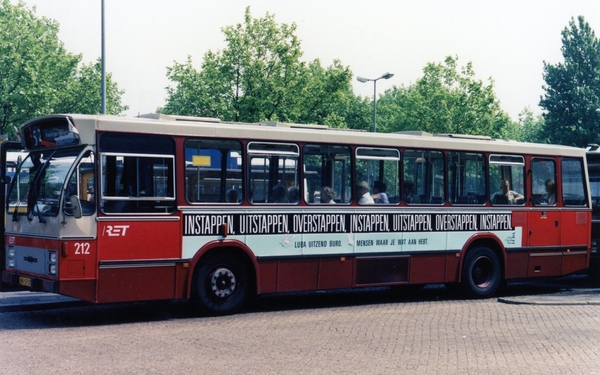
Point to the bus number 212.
(82, 248)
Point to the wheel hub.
(482, 272)
(222, 282)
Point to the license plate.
(25, 281)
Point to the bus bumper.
(34, 284)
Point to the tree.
(83, 93)
(327, 96)
(259, 76)
(37, 75)
(572, 90)
(445, 100)
(354, 112)
(530, 127)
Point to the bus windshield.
(37, 186)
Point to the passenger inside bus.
(294, 194)
(379, 195)
(232, 196)
(327, 195)
(550, 197)
(362, 193)
(279, 195)
(409, 192)
(507, 196)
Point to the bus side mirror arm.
(76, 205)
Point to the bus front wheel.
(220, 285)
(481, 273)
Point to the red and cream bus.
(111, 209)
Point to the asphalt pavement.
(572, 292)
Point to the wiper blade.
(33, 191)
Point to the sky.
(507, 40)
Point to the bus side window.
(273, 171)
(543, 182)
(507, 179)
(573, 182)
(466, 178)
(137, 173)
(213, 171)
(380, 169)
(327, 166)
(424, 177)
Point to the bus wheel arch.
(482, 271)
(223, 280)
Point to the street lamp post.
(363, 80)
(103, 68)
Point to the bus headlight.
(10, 256)
(52, 263)
(594, 248)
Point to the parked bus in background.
(593, 163)
(111, 209)
(11, 155)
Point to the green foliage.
(259, 77)
(32, 59)
(189, 99)
(37, 75)
(530, 127)
(444, 100)
(326, 97)
(82, 93)
(573, 89)
(359, 113)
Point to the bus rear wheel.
(220, 285)
(481, 273)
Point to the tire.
(481, 273)
(220, 285)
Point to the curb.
(565, 298)
(29, 301)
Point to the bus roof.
(87, 125)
